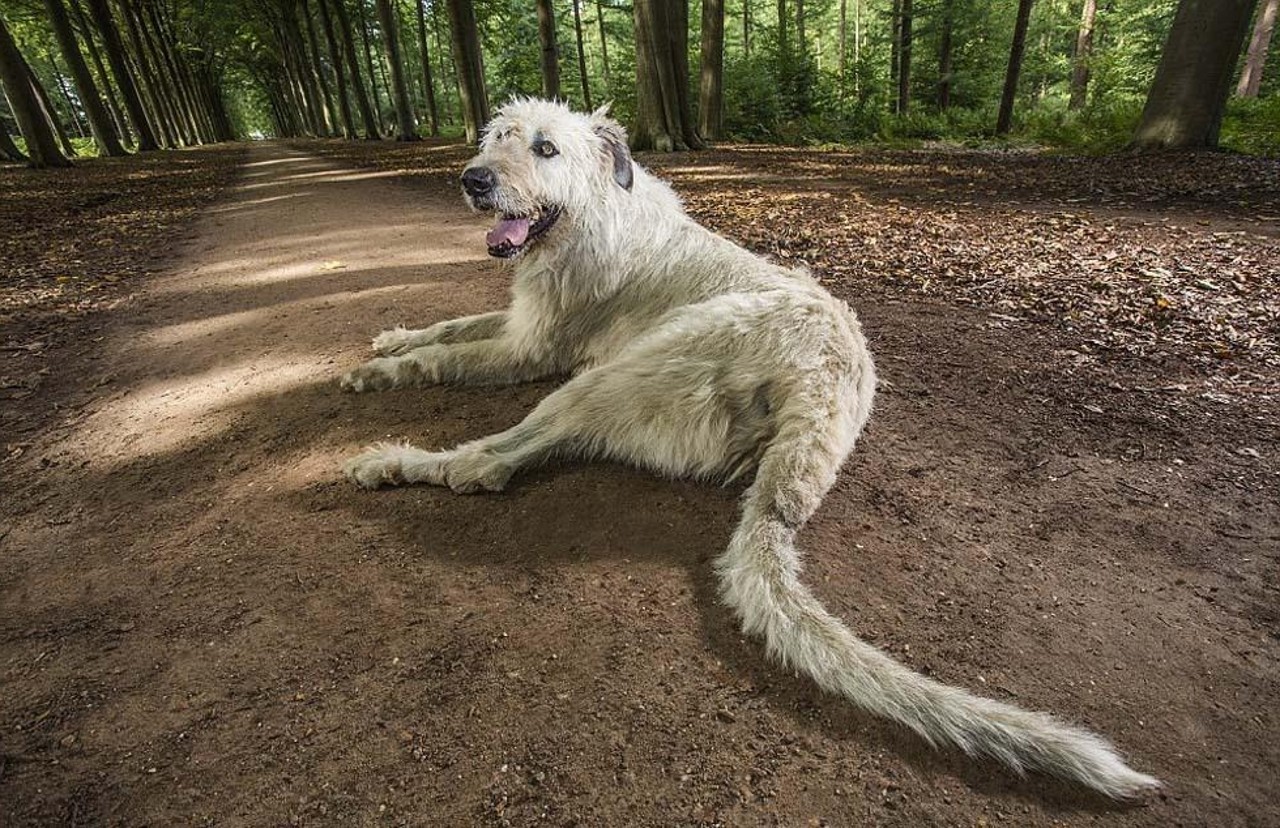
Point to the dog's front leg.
(399, 341)
(483, 362)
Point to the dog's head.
(540, 162)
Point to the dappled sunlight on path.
(257, 309)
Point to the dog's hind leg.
(464, 329)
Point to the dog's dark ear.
(614, 138)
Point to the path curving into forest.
(202, 623)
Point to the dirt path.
(201, 623)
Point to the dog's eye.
(545, 148)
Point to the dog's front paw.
(396, 341)
(389, 464)
(374, 375)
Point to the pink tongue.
(509, 231)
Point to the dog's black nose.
(479, 181)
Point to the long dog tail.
(759, 581)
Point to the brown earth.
(201, 623)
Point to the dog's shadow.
(589, 512)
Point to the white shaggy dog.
(689, 356)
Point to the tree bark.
(371, 131)
(784, 46)
(904, 59)
(50, 111)
(1005, 119)
(604, 45)
(164, 77)
(1184, 108)
(104, 133)
(428, 86)
(469, 61)
(339, 71)
(800, 35)
(550, 54)
(746, 28)
(375, 99)
(664, 119)
(313, 41)
(711, 74)
(407, 129)
(8, 149)
(42, 144)
(111, 42)
(1256, 57)
(944, 55)
(161, 113)
(1083, 53)
(103, 78)
(582, 54)
(895, 44)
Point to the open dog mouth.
(514, 234)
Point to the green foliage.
(1253, 126)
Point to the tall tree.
(1256, 57)
(469, 61)
(366, 38)
(604, 46)
(407, 130)
(339, 70)
(104, 132)
(549, 56)
(317, 64)
(46, 105)
(711, 74)
(42, 144)
(163, 118)
(1004, 121)
(664, 118)
(367, 117)
(1184, 108)
(1083, 53)
(103, 79)
(582, 54)
(904, 59)
(428, 86)
(944, 55)
(114, 48)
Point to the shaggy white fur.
(689, 356)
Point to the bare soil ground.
(202, 623)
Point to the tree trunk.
(428, 86)
(469, 61)
(376, 99)
(711, 74)
(42, 144)
(800, 36)
(371, 131)
(1083, 52)
(8, 149)
(407, 129)
(746, 28)
(1005, 119)
(550, 53)
(166, 48)
(162, 113)
(604, 45)
(101, 15)
(784, 47)
(50, 111)
(313, 41)
(944, 56)
(664, 120)
(841, 61)
(904, 60)
(103, 78)
(1256, 57)
(164, 76)
(104, 133)
(72, 112)
(1184, 108)
(582, 54)
(339, 71)
(895, 43)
